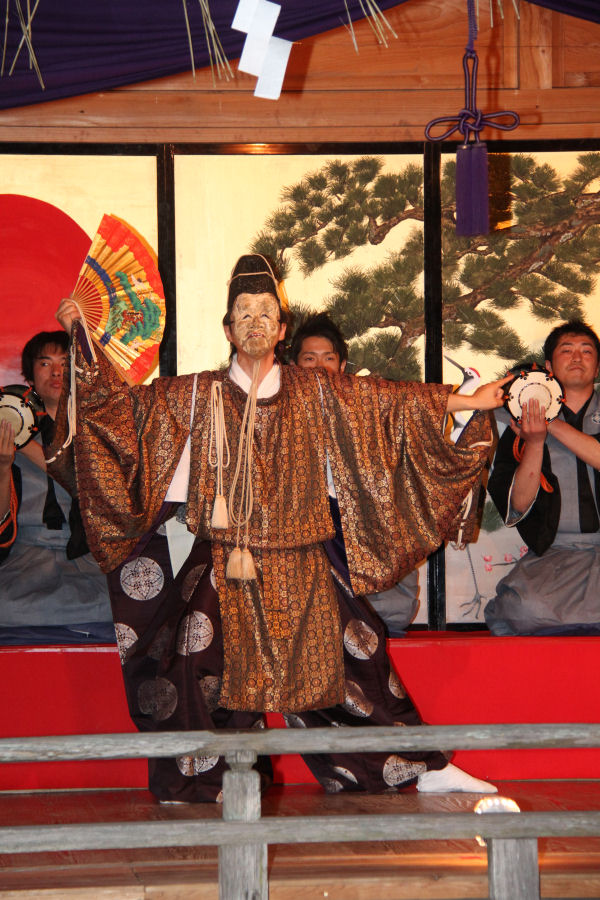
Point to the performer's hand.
(487, 396)
(533, 427)
(66, 313)
(7, 446)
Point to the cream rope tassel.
(71, 401)
(218, 441)
(240, 563)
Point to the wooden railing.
(243, 837)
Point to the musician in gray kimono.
(546, 482)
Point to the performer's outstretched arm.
(487, 396)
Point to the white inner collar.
(268, 387)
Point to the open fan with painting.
(120, 294)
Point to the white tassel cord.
(71, 401)
(218, 444)
(240, 563)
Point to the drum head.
(536, 384)
(22, 408)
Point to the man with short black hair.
(546, 482)
(319, 342)
(51, 587)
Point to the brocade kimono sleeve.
(403, 487)
(126, 448)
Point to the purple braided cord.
(470, 121)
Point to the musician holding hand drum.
(546, 482)
(50, 586)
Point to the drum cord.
(518, 455)
(11, 516)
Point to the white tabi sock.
(451, 778)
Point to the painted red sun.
(43, 250)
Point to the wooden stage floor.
(389, 870)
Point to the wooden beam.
(546, 66)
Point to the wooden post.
(513, 872)
(242, 867)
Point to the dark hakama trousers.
(171, 646)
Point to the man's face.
(575, 361)
(255, 329)
(319, 351)
(48, 369)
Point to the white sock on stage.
(451, 778)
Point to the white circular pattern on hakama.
(126, 638)
(356, 702)
(142, 578)
(332, 786)
(293, 721)
(346, 773)
(191, 580)
(195, 633)
(360, 640)
(157, 698)
(397, 770)
(210, 686)
(395, 685)
(195, 765)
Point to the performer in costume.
(546, 482)
(257, 617)
(51, 587)
(319, 342)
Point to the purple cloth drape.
(581, 9)
(84, 46)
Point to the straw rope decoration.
(219, 64)
(376, 20)
(25, 39)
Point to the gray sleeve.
(398, 606)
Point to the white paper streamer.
(270, 80)
(263, 55)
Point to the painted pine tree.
(542, 254)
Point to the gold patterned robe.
(400, 486)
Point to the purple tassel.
(472, 201)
